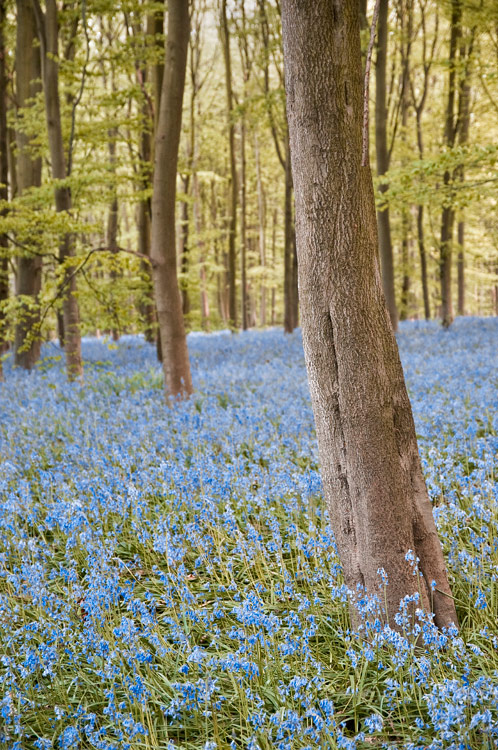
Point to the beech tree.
(29, 174)
(174, 349)
(383, 158)
(371, 471)
(4, 180)
(48, 33)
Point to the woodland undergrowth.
(168, 577)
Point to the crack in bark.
(349, 524)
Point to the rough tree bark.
(371, 471)
(29, 170)
(48, 34)
(176, 365)
(382, 151)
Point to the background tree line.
(80, 90)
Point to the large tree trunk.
(371, 471)
(29, 169)
(176, 365)
(4, 181)
(48, 34)
(385, 243)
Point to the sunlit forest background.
(433, 141)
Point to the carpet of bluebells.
(168, 577)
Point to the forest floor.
(168, 578)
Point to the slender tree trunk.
(261, 229)
(243, 224)
(289, 245)
(48, 34)
(405, 12)
(157, 27)
(185, 247)
(405, 262)
(419, 105)
(463, 137)
(176, 365)
(371, 472)
(384, 226)
(232, 215)
(4, 182)
(420, 212)
(283, 154)
(423, 260)
(201, 245)
(448, 214)
(148, 310)
(149, 106)
(29, 169)
(143, 212)
(220, 285)
(273, 262)
(112, 223)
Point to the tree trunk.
(232, 215)
(384, 226)
(29, 168)
(185, 248)
(112, 222)
(261, 229)
(176, 365)
(143, 218)
(405, 12)
(273, 263)
(283, 154)
(423, 260)
(4, 182)
(243, 224)
(289, 248)
(220, 275)
(463, 137)
(157, 27)
(154, 23)
(48, 34)
(447, 216)
(461, 267)
(371, 471)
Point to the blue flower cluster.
(169, 578)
